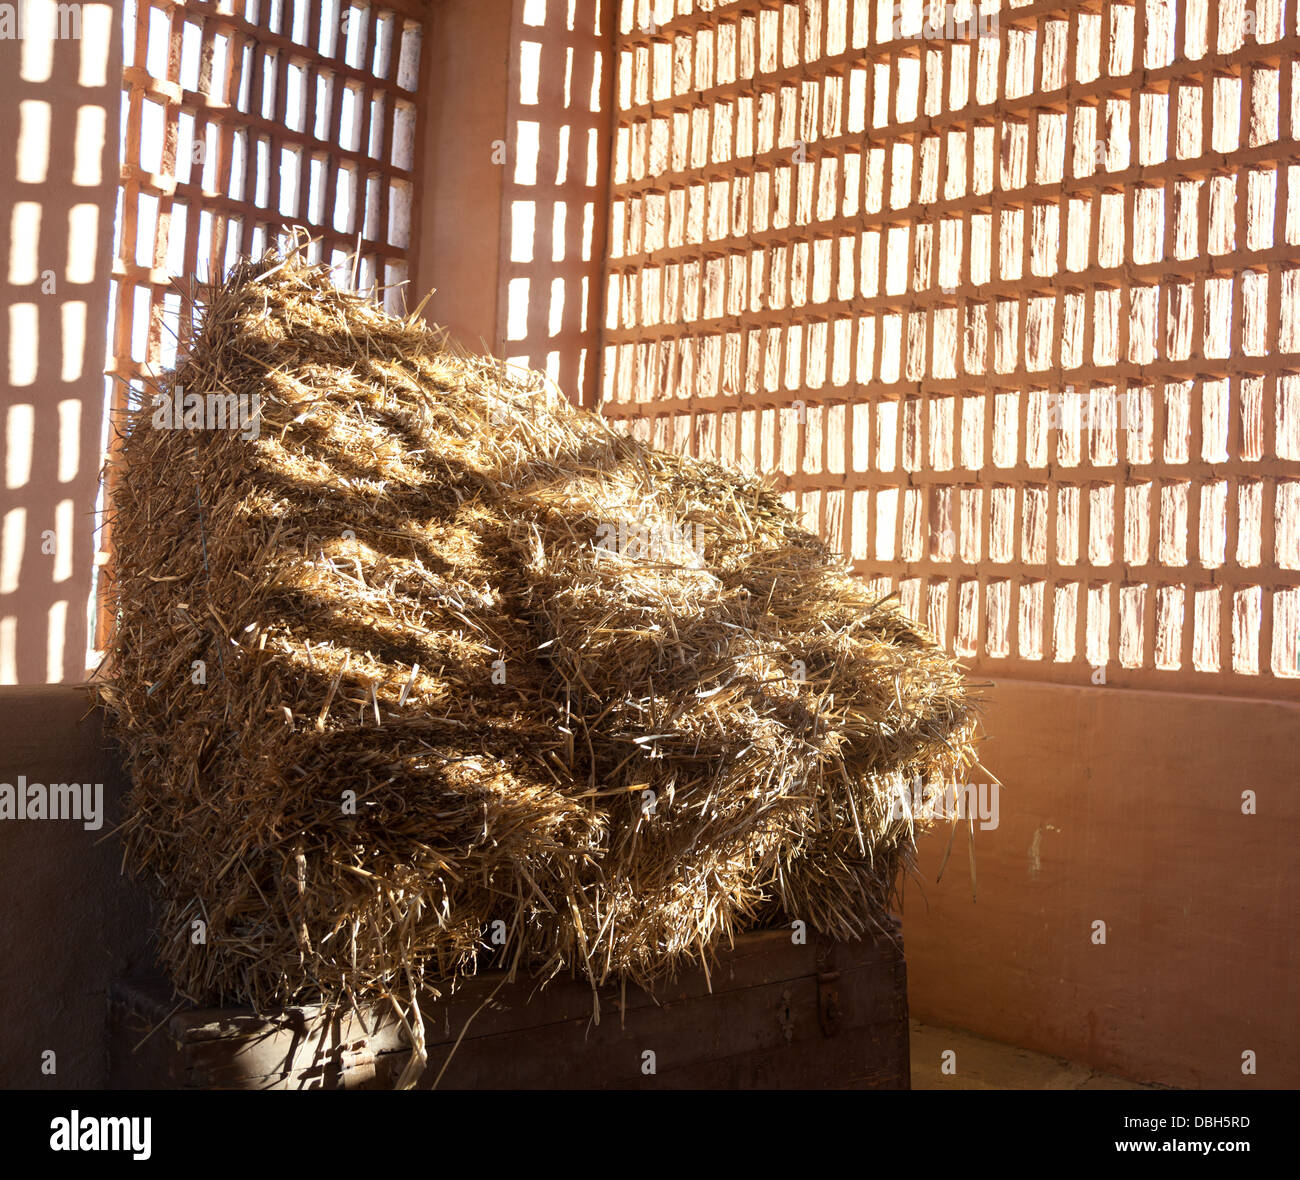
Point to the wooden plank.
(762, 1006)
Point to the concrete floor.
(980, 1064)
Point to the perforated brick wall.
(242, 118)
(1007, 300)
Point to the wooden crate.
(779, 1015)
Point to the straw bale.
(436, 650)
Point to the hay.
(397, 670)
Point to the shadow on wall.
(60, 74)
(554, 207)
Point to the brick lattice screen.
(1008, 302)
(243, 117)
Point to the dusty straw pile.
(472, 657)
